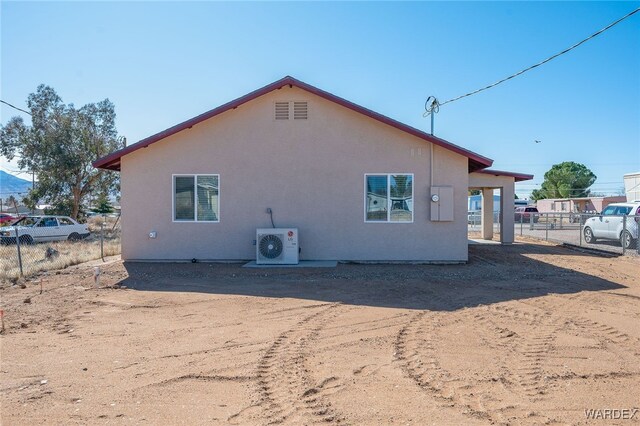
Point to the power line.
(15, 107)
(434, 106)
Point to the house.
(632, 186)
(577, 205)
(475, 203)
(358, 185)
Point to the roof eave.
(518, 177)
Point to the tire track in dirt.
(287, 392)
(590, 327)
(617, 303)
(520, 357)
(530, 348)
(417, 352)
(611, 339)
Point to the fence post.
(102, 238)
(531, 221)
(624, 228)
(521, 223)
(19, 253)
(580, 229)
(546, 228)
(637, 219)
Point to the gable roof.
(112, 161)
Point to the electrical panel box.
(441, 200)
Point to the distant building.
(577, 205)
(475, 203)
(632, 186)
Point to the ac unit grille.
(277, 246)
(282, 110)
(300, 110)
(270, 246)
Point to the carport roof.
(112, 161)
(519, 177)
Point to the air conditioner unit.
(277, 246)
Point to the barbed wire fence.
(25, 252)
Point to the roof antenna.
(431, 106)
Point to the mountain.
(13, 185)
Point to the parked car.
(609, 225)
(524, 213)
(35, 229)
(6, 219)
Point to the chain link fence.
(612, 233)
(43, 244)
(474, 221)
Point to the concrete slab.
(301, 264)
(480, 241)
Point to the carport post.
(486, 220)
(19, 254)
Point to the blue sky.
(164, 62)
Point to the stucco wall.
(309, 172)
(506, 184)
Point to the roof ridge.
(112, 160)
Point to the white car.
(35, 229)
(611, 225)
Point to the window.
(609, 211)
(623, 210)
(196, 198)
(388, 198)
(48, 222)
(65, 221)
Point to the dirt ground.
(523, 334)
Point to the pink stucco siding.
(309, 172)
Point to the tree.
(59, 146)
(474, 192)
(565, 180)
(103, 205)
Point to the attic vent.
(282, 110)
(300, 110)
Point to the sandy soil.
(525, 334)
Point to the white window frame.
(195, 205)
(388, 175)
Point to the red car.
(6, 219)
